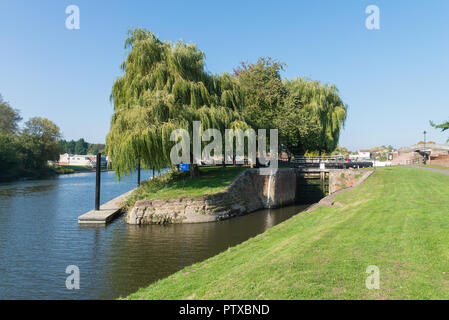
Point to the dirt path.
(430, 169)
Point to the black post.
(97, 184)
(138, 172)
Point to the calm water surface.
(40, 237)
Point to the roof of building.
(432, 146)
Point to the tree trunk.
(193, 168)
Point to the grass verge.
(176, 184)
(396, 220)
(434, 166)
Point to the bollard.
(97, 184)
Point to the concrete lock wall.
(249, 192)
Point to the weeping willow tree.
(311, 118)
(308, 114)
(165, 87)
(331, 111)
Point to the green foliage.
(26, 154)
(341, 151)
(264, 91)
(9, 157)
(9, 118)
(81, 147)
(315, 116)
(62, 170)
(324, 254)
(308, 114)
(299, 126)
(443, 126)
(95, 148)
(67, 146)
(164, 87)
(39, 143)
(174, 184)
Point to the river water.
(40, 237)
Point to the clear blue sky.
(394, 79)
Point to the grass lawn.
(435, 166)
(397, 220)
(175, 184)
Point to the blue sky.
(394, 79)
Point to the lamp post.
(425, 154)
(425, 132)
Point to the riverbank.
(39, 234)
(45, 173)
(177, 184)
(396, 220)
(224, 193)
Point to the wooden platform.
(108, 211)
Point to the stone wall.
(342, 179)
(249, 192)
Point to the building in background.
(362, 155)
(430, 153)
(81, 160)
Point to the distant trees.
(80, 147)
(38, 143)
(67, 146)
(26, 152)
(10, 160)
(340, 150)
(94, 148)
(9, 118)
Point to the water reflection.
(40, 237)
(156, 251)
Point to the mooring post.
(97, 184)
(138, 172)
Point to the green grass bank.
(176, 184)
(435, 166)
(397, 220)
